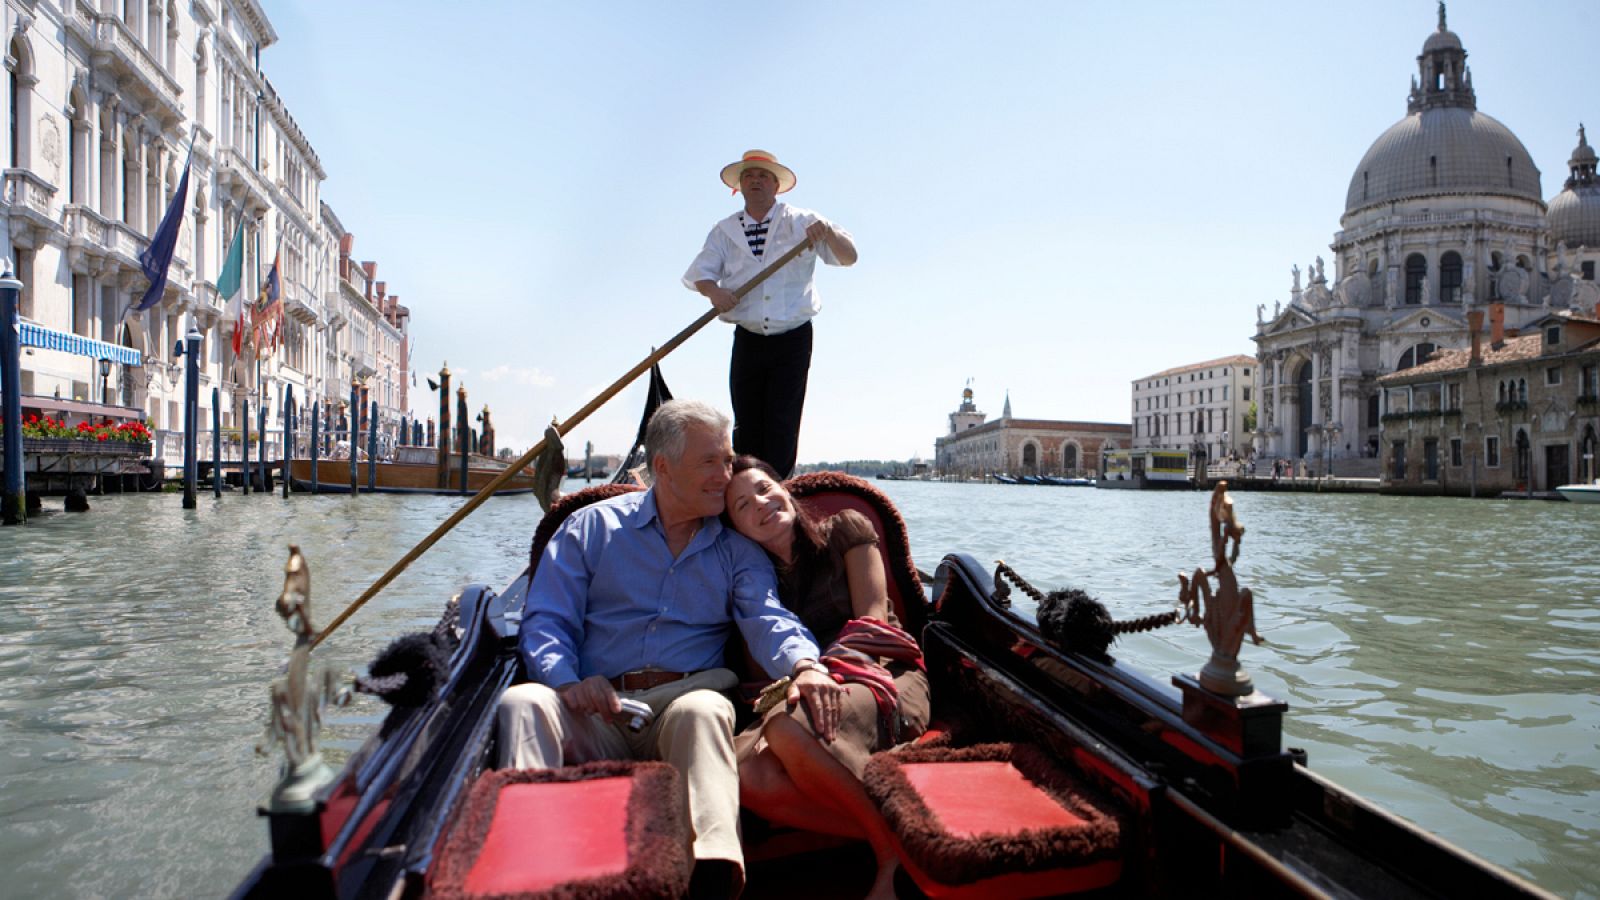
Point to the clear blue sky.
(1049, 198)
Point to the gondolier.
(772, 343)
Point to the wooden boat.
(413, 470)
(1173, 787)
(1581, 493)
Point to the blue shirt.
(608, 598)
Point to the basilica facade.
(1444, 215)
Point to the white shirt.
(787, 299)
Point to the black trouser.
(767, 381)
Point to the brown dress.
(821, 598)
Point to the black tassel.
(409, 671)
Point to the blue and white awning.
(50, 339)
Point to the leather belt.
(645, 679)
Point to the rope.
(1074, 620)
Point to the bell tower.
(1444, 77)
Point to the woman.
(801, 766)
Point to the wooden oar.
(563, 428)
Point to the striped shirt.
(756, 233)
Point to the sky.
(1050, 199)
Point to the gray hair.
(669, 427)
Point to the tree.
(1250, 418)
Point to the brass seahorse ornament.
(1228, 612)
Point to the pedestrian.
(772, 340)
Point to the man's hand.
(720, 297)
(822, 696)
(843, 250)
(591, 695)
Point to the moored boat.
(1581, 493)
(412, 470)
(1179, 788)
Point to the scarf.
(854, 657)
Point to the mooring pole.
(314, 448)
(355, 436)
(372, 448)
(216, 442)
(288, 435)
(14, 500)
(261, 446)
(189, 348)
(466, 433)
(244, 445)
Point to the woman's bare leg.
(767, 789)
(821, 780)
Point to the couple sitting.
(634, 598)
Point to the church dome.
(1443, 146)
(1574, 214)
(1443, 150)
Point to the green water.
(1439, 656)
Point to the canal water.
(1439, 656)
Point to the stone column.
(1277, 405)
(1337, 406)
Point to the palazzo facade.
(1444, 215)
(104, 99)
(975, 447)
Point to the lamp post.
(105, 373)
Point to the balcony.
(118, 50)
(240, 177)
(28, 199)
(298, 304)
(364, 364)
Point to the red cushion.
(608, 829)
(994, 820)
(543, 835)
(980, 798)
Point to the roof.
(1439, 151)
(1238, 359)
(1513, 350)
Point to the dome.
(1574, 214)
(1441, 40)
(1443, 150)
(1574, 217)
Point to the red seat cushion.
(995, 820)
(606, 829)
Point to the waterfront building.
(1521, 414)
(103, 101)
(1443, 215)
(975, 447)
(1200, 408)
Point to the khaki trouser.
(692, 729)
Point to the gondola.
(1087, 775)
(413, 470)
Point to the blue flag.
(158, 256)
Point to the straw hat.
(758, 159)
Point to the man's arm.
(833, 244)
(777, 639)
(552, 621)
(708, 269)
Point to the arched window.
(1502, 393)
(1416, 274)
(1030, 458)
(19, 87)
(1450, 278)
(1522, 390)
(1415, 356)
(1069, 458)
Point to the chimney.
(1513, 332)
(371, 268)
(1475, 325)
(1497, 325)
(381, 288)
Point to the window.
(1455, 452)
(1372, 410)
(1450, 278)
(1452, 396)
(1491, 452)
(1415, 356)
(1589, 381)
(1224, 392)
(1522, 390)
(1552, 376)
(1552, 336)
(1247, 373)
(1588, 270)
(1416, 274)
(1245, 394)
(1398, 469)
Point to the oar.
(563, 428)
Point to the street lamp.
(105, 372)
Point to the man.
(772, 343)
(637, 595)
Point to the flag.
(157, 257)
(229, 285)
(264, 317)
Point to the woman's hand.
(822, 696)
